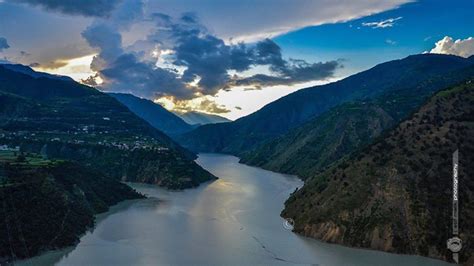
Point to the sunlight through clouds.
(76, 68)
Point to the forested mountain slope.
(66, 120)
(320, 142)
(396, 195)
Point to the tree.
(21, 158)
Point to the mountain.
(30, 72)
(396, 194)
(48, 204)
(318, 143)
(278, 117)
(66, 120)
(198, 118)
(154, 114)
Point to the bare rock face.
(328, 232)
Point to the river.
(232, 221)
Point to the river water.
(232, 221)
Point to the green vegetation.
(64, 148)
(309, 149)
(49, 204)
(395, 195)
(65, 120)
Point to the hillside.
(198, 118)
(30, 72)
(154, 114)
(49, 204)
(395, 195)
(293, 110)
(313, 146)
(66, 120)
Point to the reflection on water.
(234, 220)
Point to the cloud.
(249, 20)
(293, 72)
(53, 64)
(181, 59)
(459, 47)
(381, 24)
(390, 41)
(128, 74)
(202, 104)
(126, 71)
(3, 44)
(211, 107)
(92, 8)
(256, 21)
(209, 59)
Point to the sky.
(225, 57)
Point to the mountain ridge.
(320, 142)
(154, 114)
(195, 118)
(68, 120)
(396, 194)
(292, 110)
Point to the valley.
(303, 132)
(216, 223)
(341, 150)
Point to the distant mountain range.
(198, 118)
(172, 123)
(396, 194)
(291, 111)
(154, 114)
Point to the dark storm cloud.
(290, 74)
(124, 71)
(128, 74)
(203, 58)
(89, 8)
(3, 44)
(269, 53)
(106, 38)
(208, 59)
